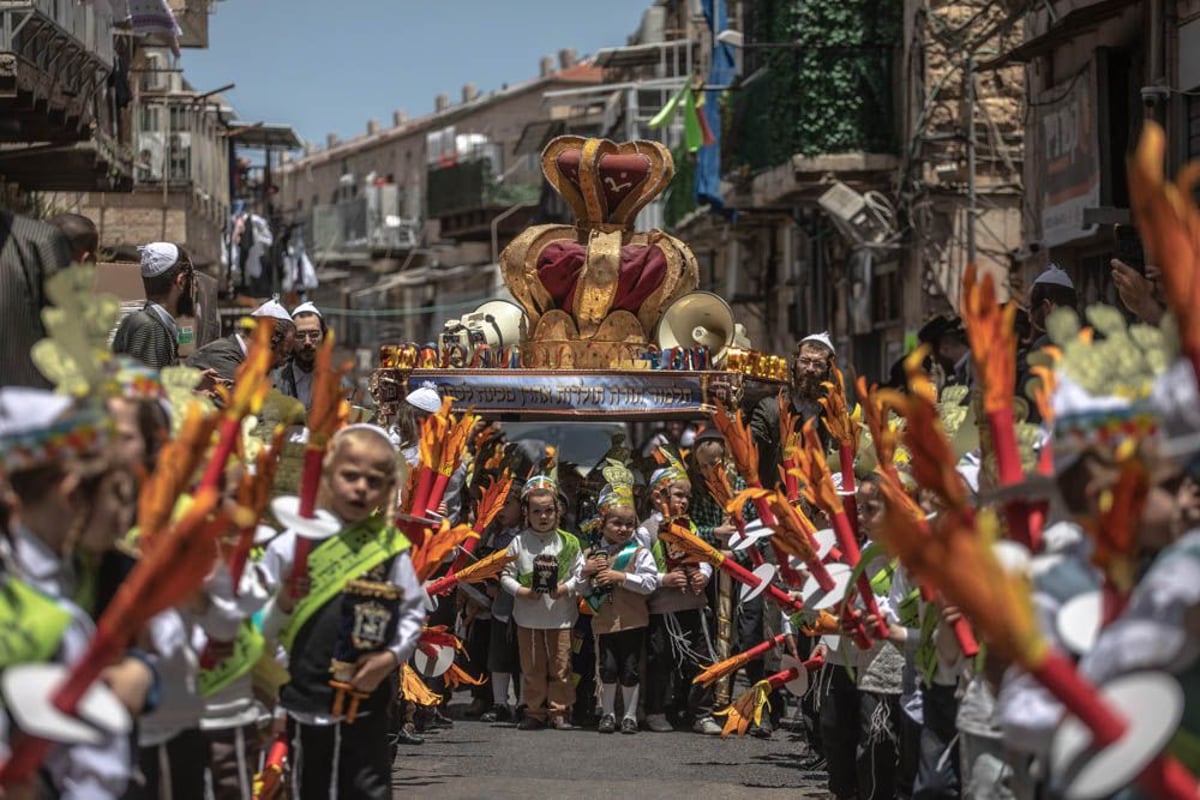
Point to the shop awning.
(260, 134)
(1064, 28)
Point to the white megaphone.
(497, 323)
(695, 320)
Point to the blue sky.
(326, 66)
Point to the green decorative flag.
(696, 130)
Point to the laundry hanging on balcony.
(696, 131)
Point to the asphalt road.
(475, 760)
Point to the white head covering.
(306, 308)
(1055, 276)
(822, 339)
(157, 258)
(272, 309)
(425, 398)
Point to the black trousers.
(620, 656)
(174, 769)
(503, 655)
(478, 642)
(839, 730)
(938, 771)
(359, 752)
(669, 686)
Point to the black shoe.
(608, 724)
(476, 709)
(762, 731)
(498, 714)
(629, 725)
(440, 720)
(531, 724)
(405, 736)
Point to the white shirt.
(541, 612)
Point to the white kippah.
(822, 339)
(426, 398)
(272, 309)
(306, 308)
(1055, 276)
(157, 258)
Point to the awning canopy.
(260, 134)
(537, 135)
(1066, 27)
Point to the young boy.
(503, 657)
(333, 757)
(622, 573)
(544, 577)
(678, 642)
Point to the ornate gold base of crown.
(619, 343)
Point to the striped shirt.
(30, 252)
(146, 337)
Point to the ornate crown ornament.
(595, 290)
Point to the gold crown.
(595, 290)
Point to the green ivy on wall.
(834, 92)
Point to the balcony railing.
(369, 223)
(81, 21)
(474, 185)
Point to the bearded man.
(811, 367)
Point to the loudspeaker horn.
(500, 323)
(697, 319)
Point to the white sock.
(629, 696)
(608, 697)
(500, 683)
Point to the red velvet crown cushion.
(620, 175)
(642, 270)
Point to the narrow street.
(478, 761)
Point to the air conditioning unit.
(855, 216)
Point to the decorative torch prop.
(749, 707)
(957, 557)
(994, 352)
(300, 514)
(1167, 219)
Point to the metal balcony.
(466, 197)
(357, 229)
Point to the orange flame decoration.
(434, 430)
(254, 492)
(932, 456)
(493, 498)
(819, 485)
(1169, 225)
(746, 709)
(1116, 528)
(324, 416)
(440, 636)
(177, 464)
(484, 569)
(959, 561)
(739, 442)
(693, 546)
(456, 676)
(837, 417)
(993, 340)
(717, 481)
(875, 411)
(789, 436)
(824, 623)
(429, 555)
(1047, 382)
(413, 689)
(454, 445)
(794, 532)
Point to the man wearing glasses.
(296, 376)
(811, 368)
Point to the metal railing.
(369, 223)
(92, 29)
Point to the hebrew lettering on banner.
(497, 392)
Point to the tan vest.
(623, 611)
